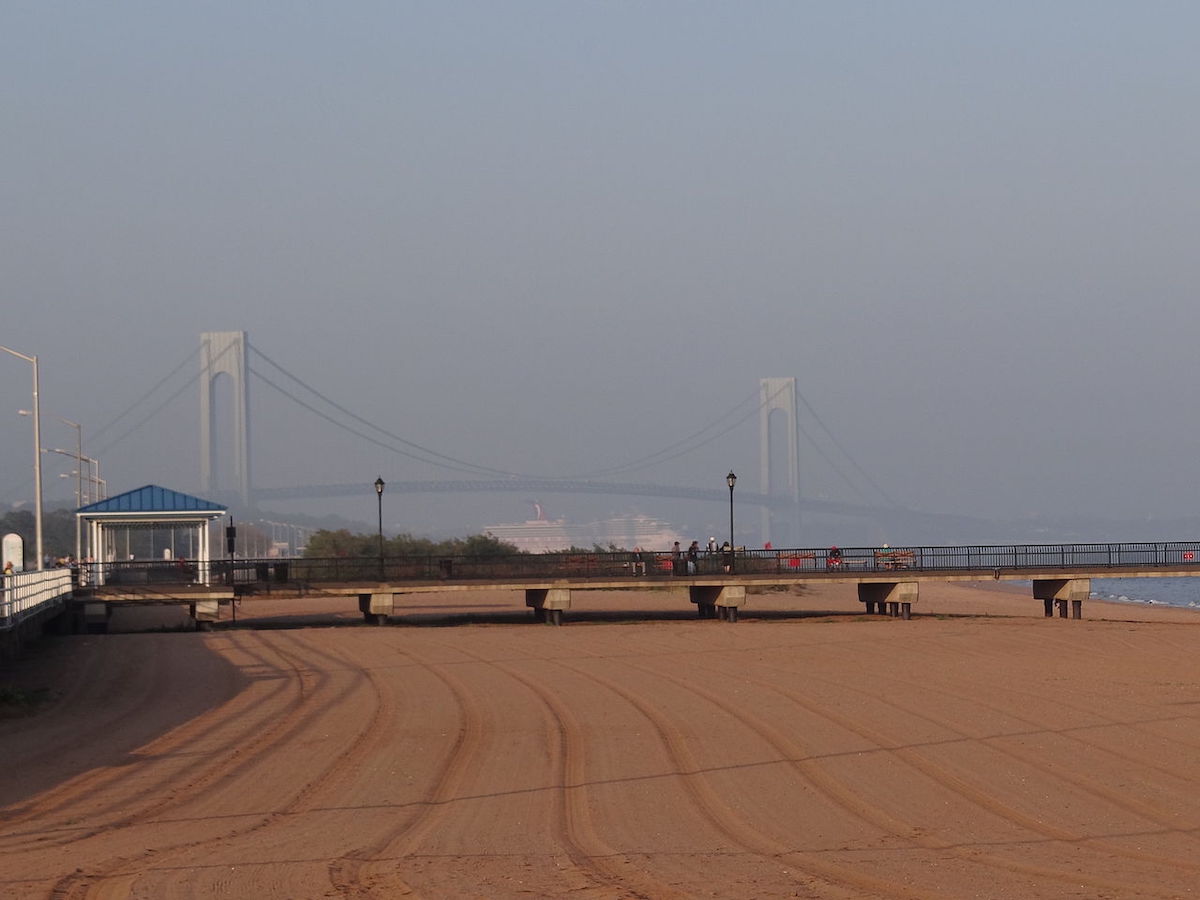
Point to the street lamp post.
(100, 484)
(37, 456)
(78, 473)
(95, 491)
(379, 497)
(731, 480)
(79, 457)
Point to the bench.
(894, 559)
(853, 562)
(802, 561)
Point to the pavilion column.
(202, 567)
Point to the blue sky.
(553, 237)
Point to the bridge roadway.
(888, 579)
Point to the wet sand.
(978, 750)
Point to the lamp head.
(731, 479)
(379, 486)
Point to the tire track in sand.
(347, 874)
(99, 880)
(365, 743)
(955, 784)
(838, 880)
(587, 851)
(246, 718)
(1039, 762)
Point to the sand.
(978, 750)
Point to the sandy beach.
(978, 750)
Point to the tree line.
(324, 544)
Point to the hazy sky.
(554, 237)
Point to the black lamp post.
(731, 480)
(379, 496)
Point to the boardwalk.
(888, 579)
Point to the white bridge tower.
(780, 459)
(224, 353)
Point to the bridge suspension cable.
(687, 444)
(438, 459)
(672, 451)
(395, 443)
(866, 476)
(100, 432)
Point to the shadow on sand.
(511, 616)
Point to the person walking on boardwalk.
(676, 560)
(693, 557)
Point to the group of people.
(687, 562)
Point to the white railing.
(27, 593)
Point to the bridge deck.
(843, 576)
(887, 578)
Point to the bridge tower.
(224, 353)
(780, 459)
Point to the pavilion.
(176, 524)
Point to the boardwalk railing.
(1175, 556)
(26, 594)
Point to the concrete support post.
(705, 598)
(204, 613)
(95, 616)
(548, 603)
(376, 607)
(891, 598)
(1059, 592)
(720, 601)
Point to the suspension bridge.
(226, 470)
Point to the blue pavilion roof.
(152, 498)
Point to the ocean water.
(1183, 592)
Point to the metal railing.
(25, 594)
(1006, 558)
(1012, 558)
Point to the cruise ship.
(542, 535)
